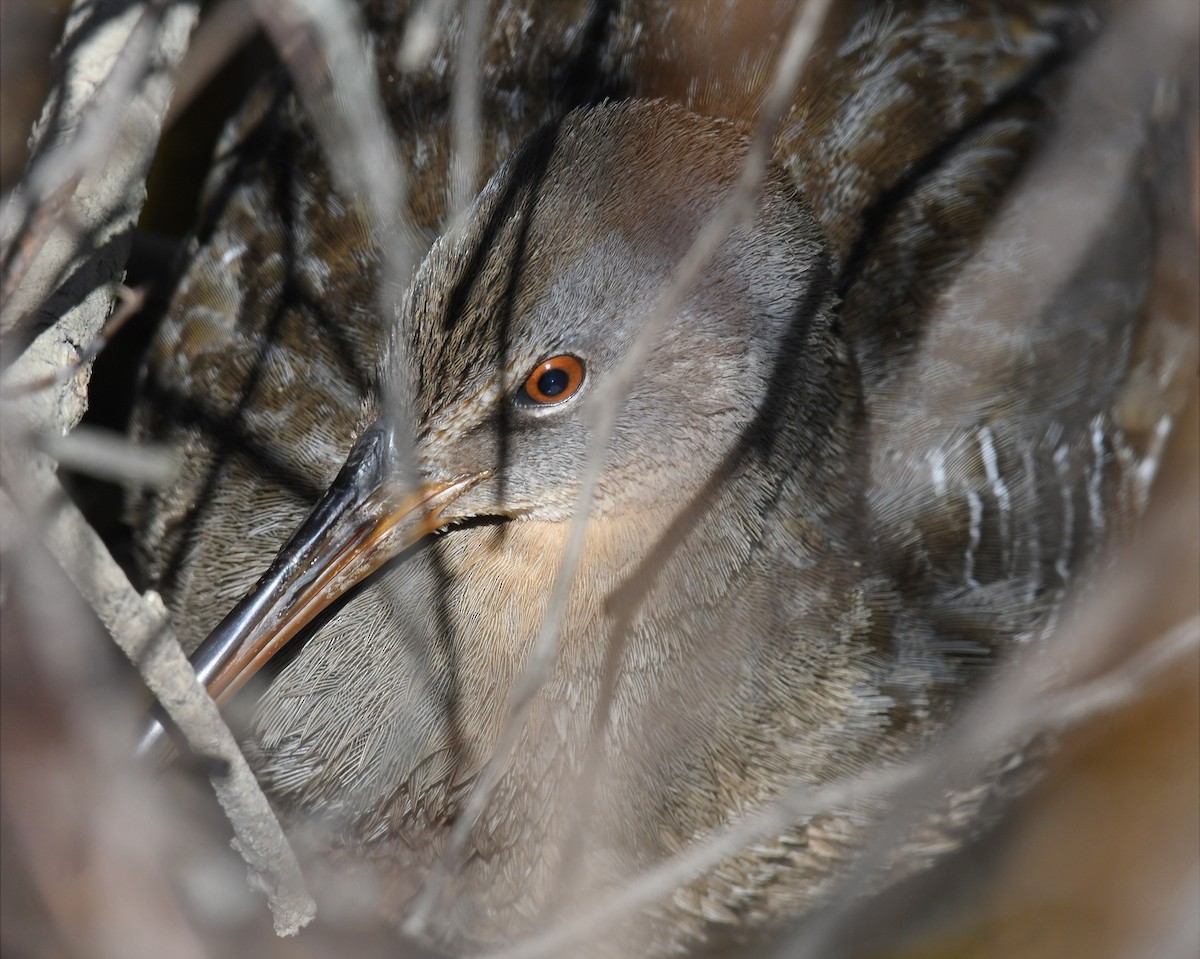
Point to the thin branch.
(130, 303)
(96, 139)
(421, 33)
(324, 47)
(98, 133)
(1111, 136)
(1013, 710)
(225, 29)
(84, 820)
(1066, 201)
(653, 884)
(803, 34)
(112, 456)
(146, 638)
(20, 254)
(1028, 708)
(465, 97)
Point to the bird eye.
(553, 381)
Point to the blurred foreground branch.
(66, 233)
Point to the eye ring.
(552, 381)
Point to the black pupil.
(553, 382)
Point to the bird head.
(512, 340)
(518, 322)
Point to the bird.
(774, 588)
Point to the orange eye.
(553, 381)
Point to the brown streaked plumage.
(782, 610)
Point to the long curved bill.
(363, 520)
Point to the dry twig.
(605, 410)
